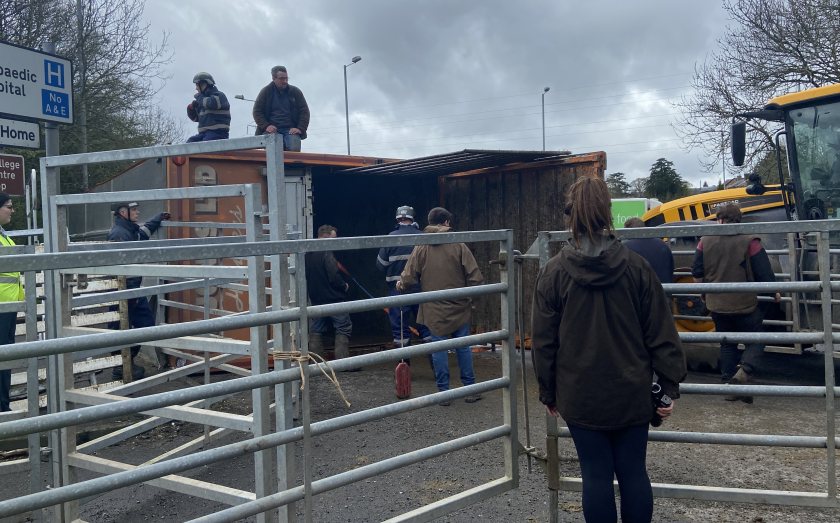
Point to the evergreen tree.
(619, 187)
(664, 182)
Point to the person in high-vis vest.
(10, 290)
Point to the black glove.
(165, 216)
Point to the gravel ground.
(405, 489)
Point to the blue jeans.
(440, 360)
(341, 323)
(403, 325)
(730, 356)
(207, 136)
(620, 453)
(291, 142)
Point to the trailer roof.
(452, 163)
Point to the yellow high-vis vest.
(10, 286)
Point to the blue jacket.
(211, 110)
(128, 231)
(392, 260)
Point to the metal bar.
(552, 431)
(175, 412)
(136, 429)
(824, 258)
(66, 260)
(158, 151)
(345, 478)
(263, 459)
(732, 495)
(276, 191)
(507, 276)
(792, 391)
(233, 450)
(104, 297)
(172, 483)
(451, 504)
(721, 438)
(164, 271)
(160, 332)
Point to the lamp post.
(346, 107)
(545, 90)
(242, 97)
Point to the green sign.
(623, 209)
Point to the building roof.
(451, 163)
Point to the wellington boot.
(342, 349)
(740, 378)
(316, 343)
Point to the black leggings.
(620, 453)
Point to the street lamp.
(545, 90)
(346, 107)
(242, 97)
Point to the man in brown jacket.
(441, 267)
(736, 258)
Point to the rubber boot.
(741, 377)
(316, 343)
(342, 349)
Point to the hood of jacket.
(437, 228)
(598, 264)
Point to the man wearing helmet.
(281, 108)
(126, 229)
(391, 260)
(210, 109)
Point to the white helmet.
(405, 212)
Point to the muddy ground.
(403, 490)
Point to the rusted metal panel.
(527, 198)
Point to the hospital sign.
(35, 85)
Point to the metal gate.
(286, 319)
(806, 237)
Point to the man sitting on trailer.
(736, 259)
(281, 108)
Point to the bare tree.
(116, 71)
(772, 47)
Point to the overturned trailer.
(519, 190)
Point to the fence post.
(507, 274)
(824, 256)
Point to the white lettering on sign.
(11, 174)
(35, 85)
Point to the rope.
(301, 359)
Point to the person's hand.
(165, 216)
(346, 287)
(552, 410)
(777, 298)
(664, 412)
(294, 130)
(399, 285)
(271, 129)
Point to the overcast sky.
(439, 76)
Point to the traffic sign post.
(12, 174)
(35, 85)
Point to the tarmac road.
(403, 490)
